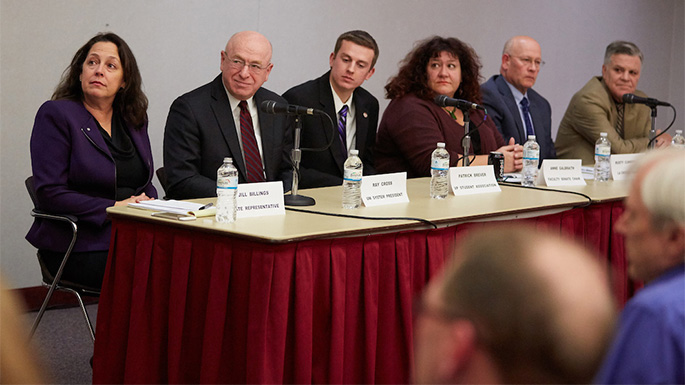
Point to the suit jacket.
(325, 168)
(200, 132)
(74, 173)
(591, 111)
(504, 111)
(412, 127)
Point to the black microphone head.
(268, 106)
(441, 100)
(628, 98)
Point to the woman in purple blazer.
(413, 123)
(90, 150)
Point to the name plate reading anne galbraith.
(384, 189)
(473, 180)
(561, 172)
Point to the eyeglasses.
(530, 62)
(254, 68)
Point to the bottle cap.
(441, 145)
(678, 131)
(603, 134)
(228, 159)
(531, 137)
(354, 152)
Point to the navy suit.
(325, 168)
(504, 112)
(74, 173)
(200, 132)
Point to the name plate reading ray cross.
(260, 199)
(561, 172)
(621, 165)
(384, 189)
(473, 180)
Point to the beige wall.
(177, 45)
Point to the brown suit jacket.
(591, 111)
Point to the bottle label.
(531, 154)
(353, 175)
(602, 150)
(440, 164)
(230, 182)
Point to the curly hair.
(412, 77)
(130, 102)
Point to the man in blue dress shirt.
(650, 342)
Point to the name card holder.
(260, 199)
(384, 189)
(621, 165)
(561, 172)
(473, 180)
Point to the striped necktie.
(253, 162)
(620, 109)
(342, 128)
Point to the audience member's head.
(438, 66)
(514, 306)
(653, 222)
(621, 68)
(352, 62)
(246, 63)
(521, 62)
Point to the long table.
(305, 298)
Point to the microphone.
(651, 102)
(444, 101)
(273, 107)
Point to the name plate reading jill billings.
(473, 180)
(384, 189)
(621, 165)
(260, 199)
(558, 172)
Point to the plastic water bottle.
(531, 159)
(678, 140)
(226, 192)
(352, 181)
(440, 166)
(602, 158)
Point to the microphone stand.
(293, 199)
(652, 131)
(466, 141)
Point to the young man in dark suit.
(504, 94)
(351, 63)
(223, 119)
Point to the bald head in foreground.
(534, 309)
(650, 345)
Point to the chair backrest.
(32, 190)
(161, 175)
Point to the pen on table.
(208, 205)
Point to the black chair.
(55, 282)
(161, 175)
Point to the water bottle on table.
(678, 140)
(226, 192)
(602, 158)
(531, 159)
(352, 181)
(440, 166)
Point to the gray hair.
(663, 187)
(620, 47)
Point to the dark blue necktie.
(526, 116)
(342, 128)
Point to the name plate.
(384, 189)
(558, 172)
(473, 180)
(260, 199)
(621, 165)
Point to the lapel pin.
(365, 115)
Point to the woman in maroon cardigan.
(413, 124)
(90, 150)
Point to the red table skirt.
(179, 306)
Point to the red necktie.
(253, 162)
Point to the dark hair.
(361, 38)
(130, 102)
(412, 77)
